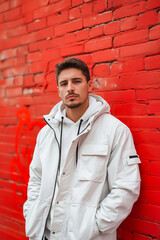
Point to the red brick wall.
(119, 40)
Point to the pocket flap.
(133, 159)
(95, 149)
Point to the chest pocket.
(92, 163)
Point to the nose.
(70, 87)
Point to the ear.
(89, 86)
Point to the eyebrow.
(75, 78)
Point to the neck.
(75, 114)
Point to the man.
(84, 176)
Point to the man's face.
(73, 88)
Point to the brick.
(13, 92)
(42, 34)
(2, 93)
(28, 17)
(153, 4)
(23, 50)
(74, 13)
(13, 14)
(82, 35)
(68, 27)
(1, 18)
(15, 23)
(8, 121)
(128, 23)
(9, 81)
(57, 18)
(51, 9)
(99, 6)
(7, 111)
(4, 6)
(131, 37)
(98, 44)
(36, 25)
(21, 30)
(142, 227)
(141, 79)
(148, 94)
(154, 107)
(8, 63)
(155, 168)
(50, 54)
(33, 5)
(148, 48)
(120, 96)
(18, 81)
(34, 57)
(38, 78)
(36, 67)
(112, 28)
(21, 60)
(105, 55)
(147, 19)
(150, 182)
(28, 81)
(155, 32)
(72, 50)
(97, 19)
(18, 41)
(129, 10)
(150, 196)
(144, 166)
(148, 212)
(146, 122)
(129, 109)
(101, 70)
(117, 3)
(146, 136)
(16, 3)
(150, 152)
(15, 71)
(124, 234)
(96, 31)
(133, 64)
(152, 62)
(140, 237)
(36, 46)
(116, 68)
(86, 9)
(76, 2)
(9, 53)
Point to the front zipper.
(43, 236)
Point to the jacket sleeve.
(123, 180)
(34, 180)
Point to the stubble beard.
(72, 106)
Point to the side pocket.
(132, 166)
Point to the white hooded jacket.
(97, 183)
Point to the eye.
(77, 81)
(63, 84)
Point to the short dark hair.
(72, 63)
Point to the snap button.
(53, 232)
(64, 173)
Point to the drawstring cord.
(77, 143)
(60, 145)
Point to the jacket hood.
(97, 106)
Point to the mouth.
(71, 96)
